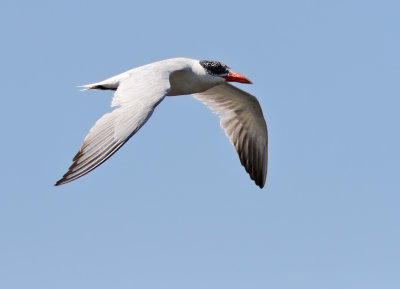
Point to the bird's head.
(219, 69)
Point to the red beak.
(236, 77)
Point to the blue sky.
(174, 208)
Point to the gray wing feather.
(137, 99)
(244, 124)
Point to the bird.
(138, 92)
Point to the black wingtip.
(60, 182)
(63, 180)
(261, 181)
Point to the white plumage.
(140, 90)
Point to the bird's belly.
(185, 82)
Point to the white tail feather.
(85, 87)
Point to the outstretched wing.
(137, 97)
(244, 124)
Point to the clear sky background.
(174, 208)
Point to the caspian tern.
(137, 93)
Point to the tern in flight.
(137, 93)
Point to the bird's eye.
(215, 67)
